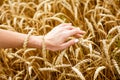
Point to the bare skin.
(55, 40)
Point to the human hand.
(57, 38)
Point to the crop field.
(95, 57)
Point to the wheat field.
(95, 57)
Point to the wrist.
(49, 44)
(35, 42)
(39, 41)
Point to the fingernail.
(76, 40)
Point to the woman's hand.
(57, 38)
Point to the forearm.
(11, 39)
(54, 40)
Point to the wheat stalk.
(98, 71)
(78, 73)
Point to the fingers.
(69, 43)
(80, 31)
(73, 32)
(66, 45)
(69, 26)
(78, 35)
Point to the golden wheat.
(94, 57)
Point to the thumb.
(69, 43)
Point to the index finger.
(74, 32)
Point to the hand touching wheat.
(57, 38)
